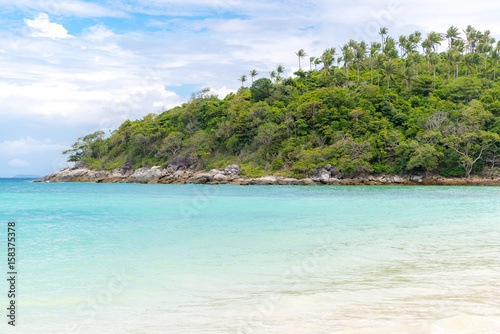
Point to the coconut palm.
(243, 79)
(373, 51)
(402, 43)
(311, 62)
(327, 60)
(495, 57)
(379, 62)
(272, 75)
(253, 73)
(301, 54)
(389, 68)
(359, 55)
(317, 61)
(409, 75)
(383, 31)
(434, 60)
(452, 34)
(280, 70)
(347, 57)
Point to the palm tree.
(449, 60)
(379, 61)
(402, 43)
(272, 75)
(373, 51)
(311, 62)
(359, 55)
(389, 69)
(301, 54)
(383, 31)
(327, 60)
(280, 70)
(427, 46)
(253, 73)
(243, 79)
(409, 75)
(434, 60)
(495, 56)
(389, 48)
(347, 57)
(457, 56)
(451, 35)
(317, 61)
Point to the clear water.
(130, 258)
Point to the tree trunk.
(371, 70)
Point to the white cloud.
(64, 7)
(98, 33)
(42, 27)
(19, 163)
(28, 146)
(222, 92)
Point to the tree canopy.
(399, 106)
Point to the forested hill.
(413, 104)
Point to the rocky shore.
(232, 174)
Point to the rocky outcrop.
(232, 174)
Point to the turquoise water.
(130, 258)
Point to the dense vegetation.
(379, 108)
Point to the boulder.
(417, 178)
(321, 174)
(147, 175)
(265, 180)
(398, 179)
(304, 182)
(220, 178)
(181, 162)
(201, 178)
(286, 181)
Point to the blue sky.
(69, 68)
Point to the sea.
(135, 258)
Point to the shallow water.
(130, 258)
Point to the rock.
(220, 178)
(398, 179)
(181, 162)
(331, 182)
(147, 175)
(265, 180)
(328, 167)
(416, 178)
(335, 172)
(201, 178)
(286, 181)
(321, 174)
(304, 182)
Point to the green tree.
(301, 54)
(253, 74)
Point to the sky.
(72, 67)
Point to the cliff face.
(232, 175)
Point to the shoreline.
(232, 175)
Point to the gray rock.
(417, 178)
(398, 179)
(321, 174)
(201, 178)
(328, 167)
(181, 162)
(334, 172)
(220, 178)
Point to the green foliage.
(373, 110)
